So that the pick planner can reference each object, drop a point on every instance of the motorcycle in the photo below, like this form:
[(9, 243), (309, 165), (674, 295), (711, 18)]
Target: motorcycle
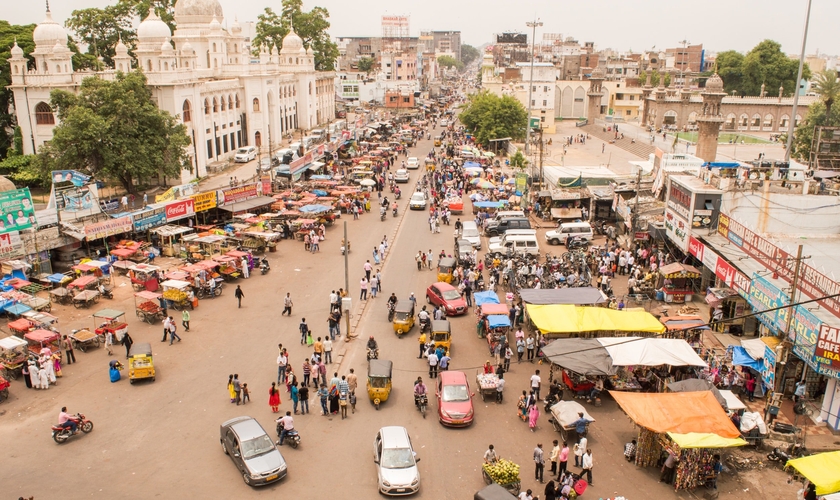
[(106, 291), (61, 434), (394, 211), (780, 455), (424, 325), (576, 243), (550, 401), (421, 402), (391, 308), (293, 437), (204, 290), (382, 213), (397, 193), (372, 353), (265, 267)]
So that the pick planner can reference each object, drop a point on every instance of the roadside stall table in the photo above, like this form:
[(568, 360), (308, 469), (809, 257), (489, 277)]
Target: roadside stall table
[(12, 356), (38, 303), (17, 310), (148, 307), (176, 275), (677, 282), (42, 320), (228, 267), (239, 255), (143, 277), (17, 283), (84, 283), (177, 294), (112, 321), (486, 383), (41, 339), (564, 415), (85, 298), (170, 238), (20, 326), (60, 295), (122, 266), (85, 339)]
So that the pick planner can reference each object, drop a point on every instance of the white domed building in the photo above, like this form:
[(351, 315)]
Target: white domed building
[(202, 73)]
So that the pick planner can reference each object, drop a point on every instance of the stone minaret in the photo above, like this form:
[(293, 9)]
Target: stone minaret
[(646, 91), (710, 119), (594, 94)]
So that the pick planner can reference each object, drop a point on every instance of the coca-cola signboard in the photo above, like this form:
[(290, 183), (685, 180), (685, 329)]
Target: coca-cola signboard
[(180, 209)]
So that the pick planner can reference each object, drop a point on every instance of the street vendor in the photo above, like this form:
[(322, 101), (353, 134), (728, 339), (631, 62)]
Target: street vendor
[(488, 368), (597, 389)]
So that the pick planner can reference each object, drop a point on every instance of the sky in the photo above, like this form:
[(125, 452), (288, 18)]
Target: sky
[(618, 24)]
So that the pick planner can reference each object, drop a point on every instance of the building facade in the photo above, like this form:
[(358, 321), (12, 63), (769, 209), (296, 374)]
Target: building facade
[(203, 74)]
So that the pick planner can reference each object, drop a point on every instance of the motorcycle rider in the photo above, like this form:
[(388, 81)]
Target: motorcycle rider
[(392, 301), (66, 420), (288, 425), (397, 192), (394, 207), (419, 390), (372, 345), (423, 317)]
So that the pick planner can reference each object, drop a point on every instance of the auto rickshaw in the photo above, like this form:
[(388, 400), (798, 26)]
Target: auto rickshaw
[(403, 317), (445, 268), (140, 363), (438, 141), (442, 334), (379, 381), (430, 165)]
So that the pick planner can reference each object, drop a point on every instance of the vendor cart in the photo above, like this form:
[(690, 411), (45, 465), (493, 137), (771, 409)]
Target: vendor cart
[(20, 326), (38, 304), (41, 339), (85, 298), (61, 295), (564, 414), (85, 339), (228, 267), (504, 473), (88, 282), (144, 277), (177, 294), (486, 383), (12, 356), (111, 320), (148, 307), (17, 310)]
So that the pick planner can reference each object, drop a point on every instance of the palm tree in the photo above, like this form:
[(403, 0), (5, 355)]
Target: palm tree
[(827, 87)]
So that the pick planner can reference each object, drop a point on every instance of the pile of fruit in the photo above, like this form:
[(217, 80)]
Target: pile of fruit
[(174, 295), (148, 306), (503, 471)]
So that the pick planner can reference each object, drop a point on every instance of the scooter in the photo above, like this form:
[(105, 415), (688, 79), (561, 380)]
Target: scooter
[(382, 213), (293, 437), (265, 267), (421, 402), (106, 291), (372, 353), (61, 434), (424, 325), (397, 193), (394, 211)]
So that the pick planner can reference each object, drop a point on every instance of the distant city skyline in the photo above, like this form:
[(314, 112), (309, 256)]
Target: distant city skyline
[(637, 25)]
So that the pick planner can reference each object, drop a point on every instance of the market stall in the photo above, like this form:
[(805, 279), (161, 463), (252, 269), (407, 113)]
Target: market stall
[(41, 339), (678, 282), (731, 306), (683, 327), (822, 469), (578, 296), (144, 277), (568, 320), (177, 294), (171, 237), (690, 425), (147, 307), (12, 356)]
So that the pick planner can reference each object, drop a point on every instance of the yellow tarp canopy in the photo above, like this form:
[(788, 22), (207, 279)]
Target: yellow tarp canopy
[(567, 318), (822, 469), (705, 440), (677, 412)]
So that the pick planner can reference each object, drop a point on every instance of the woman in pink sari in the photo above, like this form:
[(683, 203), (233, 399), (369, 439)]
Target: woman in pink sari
[(533, 415)]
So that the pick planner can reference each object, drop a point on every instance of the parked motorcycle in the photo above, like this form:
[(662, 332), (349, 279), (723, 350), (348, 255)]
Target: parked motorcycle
[(61, 434), (782, 456), (391, 308), (204, 290), (106, 291), (293, 437)]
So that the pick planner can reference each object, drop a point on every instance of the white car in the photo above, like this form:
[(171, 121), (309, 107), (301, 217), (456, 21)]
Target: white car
[(418, 201), (396, 464), (401, 175), (412, 163), (244, 155)]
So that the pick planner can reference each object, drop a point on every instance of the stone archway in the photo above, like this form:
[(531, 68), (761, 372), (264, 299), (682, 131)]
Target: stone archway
[(670, 118)]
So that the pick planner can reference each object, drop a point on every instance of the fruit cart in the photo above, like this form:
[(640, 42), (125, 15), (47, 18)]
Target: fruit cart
[(110, 320), (12, 356), (228, 267), (41, 339), (486, 383), (563, 416), (85, 339), (144, 277), (85, 298), (20, 326), (61, 295), (504, 473), (148, 307), (177, 294)]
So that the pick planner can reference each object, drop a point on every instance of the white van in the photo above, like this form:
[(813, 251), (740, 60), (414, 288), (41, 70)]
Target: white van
[(514, 232), (579, 230), (246, 154), (506, 214), (469, 232), (519, 244)]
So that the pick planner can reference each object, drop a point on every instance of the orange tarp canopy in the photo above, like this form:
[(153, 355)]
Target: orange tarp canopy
[(677, 412)]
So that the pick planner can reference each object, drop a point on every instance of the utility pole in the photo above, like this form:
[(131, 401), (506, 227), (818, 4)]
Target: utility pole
[(792, 123), (346, 282), (531, 24), (542, 181), (794, 284), (636, 207)]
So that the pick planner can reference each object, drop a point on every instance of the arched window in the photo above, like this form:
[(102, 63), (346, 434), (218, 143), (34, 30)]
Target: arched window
[(186, 112), (310, 88), (230, 102), (206, 107), (224, 105), (256, 105), (121, 68), (215, 63), (166, 66), (58, 68), (235, 48), (44, 114), (257, 139), (215, 105), (149, 64), (237, 101), (214, 46)]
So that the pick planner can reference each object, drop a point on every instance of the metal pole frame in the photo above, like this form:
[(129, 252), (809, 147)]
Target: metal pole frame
[(792, 123), (531, 24)]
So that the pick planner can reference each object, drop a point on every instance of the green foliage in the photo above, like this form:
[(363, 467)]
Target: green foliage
[(767, 64), (101, 29), (310, 26), (730, 68), (19, 169), (114, 130), (449, 62), (804, 133), (366, 64), (494, 117), (469, 53), (827, 87), (654, 78), (8, 34), (518, 160)]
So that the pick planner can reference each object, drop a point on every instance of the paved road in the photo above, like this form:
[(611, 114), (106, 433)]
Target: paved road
[(161, 438)]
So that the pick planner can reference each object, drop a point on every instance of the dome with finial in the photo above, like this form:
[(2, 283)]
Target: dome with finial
[(310, 52), (215, 24), (60, 48), (16, 50), (292, 43), (166, 47), (121, 48), (197, 11), (49, 32), (235, 28), (153, 28), (187, 48), (714, 83)]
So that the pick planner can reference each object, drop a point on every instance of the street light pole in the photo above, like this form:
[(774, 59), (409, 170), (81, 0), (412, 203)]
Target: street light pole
[(792, 122), (531, 24)]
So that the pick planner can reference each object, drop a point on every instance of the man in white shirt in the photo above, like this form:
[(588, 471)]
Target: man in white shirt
[(587, 466), (526, 495), (282, 360), (536, 381), (327, 344), (288, 426), (433, 364)]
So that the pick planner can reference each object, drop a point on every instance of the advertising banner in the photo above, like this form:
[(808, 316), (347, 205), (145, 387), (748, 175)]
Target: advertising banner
[(204, 201), (149, 219), (768, 369), (266, 184), (78, 200), (108, 228), (828, 346), (180, 209), (237, 194), (77, 178), (677, 229), (521, 183), (16, 210), (11, 246)]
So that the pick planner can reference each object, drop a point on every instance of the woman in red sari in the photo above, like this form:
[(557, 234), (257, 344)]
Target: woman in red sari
[(274, 398)]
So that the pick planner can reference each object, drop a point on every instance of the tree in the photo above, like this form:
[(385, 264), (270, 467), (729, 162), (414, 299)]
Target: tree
[(9, 33), (19, 169), (730, 69), (101, 30), (804, 133), (366, 64), (113, 129), (450, 62), (310, 26), (827, 87), (767, 64), (165, 9), (492, 117), (518, 160), (469, 54)]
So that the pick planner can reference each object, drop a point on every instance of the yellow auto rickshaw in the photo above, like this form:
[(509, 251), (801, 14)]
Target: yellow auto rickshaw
[(442, 334), (379, 381), (438, 141), (403, 317), (430, 165), (140, 363), (445, 268)]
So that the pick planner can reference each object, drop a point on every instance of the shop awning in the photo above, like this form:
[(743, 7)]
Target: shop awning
[(574, 296), (733, 403), (566, 318), (697, 385), (740, 357), (679, 270), (242, 206), (684, 323), (482, 298), (603, 356), (565, 213), (677, 412), (705, 440), (822, 469), (498, 321)]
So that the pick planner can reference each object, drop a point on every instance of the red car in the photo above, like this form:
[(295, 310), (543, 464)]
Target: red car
[(455, 408), (447, 296)]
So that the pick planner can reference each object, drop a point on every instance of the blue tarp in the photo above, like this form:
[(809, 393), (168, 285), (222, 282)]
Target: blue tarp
[(321, 178), (56, 278), (314, 209), (490, 204), (17, 309), (498, 320), (482, 298), (741, 358), (472, 164), (721, 164)]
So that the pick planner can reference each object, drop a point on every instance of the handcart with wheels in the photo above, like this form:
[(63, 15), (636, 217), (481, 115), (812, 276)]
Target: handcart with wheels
[(504, 473), (85, 298), (147, 307), (85, 339), (486, 383)]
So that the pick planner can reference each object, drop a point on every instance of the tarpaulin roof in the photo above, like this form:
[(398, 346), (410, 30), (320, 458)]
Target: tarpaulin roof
[(740, 357), (733, 403), (677, 412), (488, 309), (756, 347), (822, 469), (698, 385), (575, 296), (684, 323), (564, 318), (705, 440), (603, 356), (498, 320), (482, 298)]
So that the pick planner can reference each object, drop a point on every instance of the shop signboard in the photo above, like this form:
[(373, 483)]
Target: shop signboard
[(204, 201), (768, 369), (641, 236), (676, 228), (266, 184), (11, 246), (521, 183), (180, 209), (301, 163), (108, 228), (237, 194), (828, 346), (16, 210), (148, 219), (733, 278), (176, 192)]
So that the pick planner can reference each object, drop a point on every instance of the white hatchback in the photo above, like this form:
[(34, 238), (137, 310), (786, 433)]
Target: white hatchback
[(395, 462), (412, 163), (401, 175), (418, 201)]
